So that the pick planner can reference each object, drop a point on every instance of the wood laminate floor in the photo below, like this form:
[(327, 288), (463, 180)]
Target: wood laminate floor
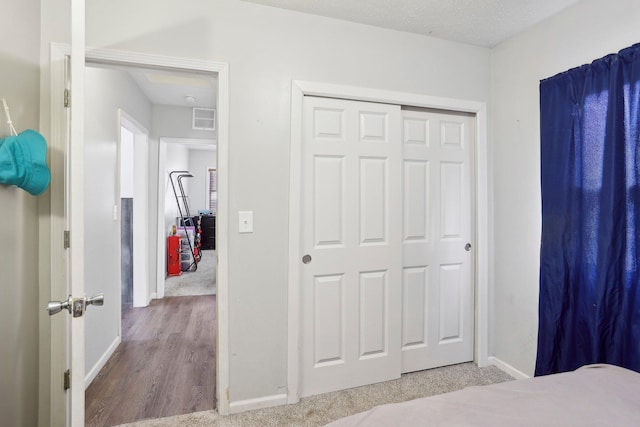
[(164, 366)]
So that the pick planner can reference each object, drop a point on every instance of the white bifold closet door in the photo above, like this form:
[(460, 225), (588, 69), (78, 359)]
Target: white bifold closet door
[(386, 214), (437, 284), (352, 228)]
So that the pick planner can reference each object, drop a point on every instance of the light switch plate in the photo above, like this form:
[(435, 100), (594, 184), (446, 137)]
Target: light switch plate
[(245, 219)]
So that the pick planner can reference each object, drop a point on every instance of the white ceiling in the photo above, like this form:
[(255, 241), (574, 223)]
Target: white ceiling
[(164, 87), (478, 22)]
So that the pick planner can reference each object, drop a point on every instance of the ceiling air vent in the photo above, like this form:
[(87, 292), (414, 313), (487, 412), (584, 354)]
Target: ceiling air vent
[(204, 119)]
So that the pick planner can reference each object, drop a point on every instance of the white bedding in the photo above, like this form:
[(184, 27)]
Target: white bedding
[(594, 395)]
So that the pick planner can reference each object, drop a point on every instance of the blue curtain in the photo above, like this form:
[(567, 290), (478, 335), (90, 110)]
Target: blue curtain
[(589, 308)]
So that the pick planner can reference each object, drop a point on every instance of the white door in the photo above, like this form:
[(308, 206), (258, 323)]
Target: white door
[(351, 238), (437, 280), (67, 343)]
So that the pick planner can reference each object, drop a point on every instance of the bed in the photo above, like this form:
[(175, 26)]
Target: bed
[(594, 395)]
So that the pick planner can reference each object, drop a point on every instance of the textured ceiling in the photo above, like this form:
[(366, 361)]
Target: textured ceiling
[(478, 22)]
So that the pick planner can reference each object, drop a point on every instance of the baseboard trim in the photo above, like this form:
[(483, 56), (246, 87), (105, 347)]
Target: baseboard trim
[(505, 367), (259, 403), (93, 373)]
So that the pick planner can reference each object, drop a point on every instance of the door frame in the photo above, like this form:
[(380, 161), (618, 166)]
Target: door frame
[(53, 349), (480, 206)]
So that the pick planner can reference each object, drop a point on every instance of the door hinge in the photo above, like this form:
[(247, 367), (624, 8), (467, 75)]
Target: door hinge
[(67, 380), (67, 239), (66, 98)]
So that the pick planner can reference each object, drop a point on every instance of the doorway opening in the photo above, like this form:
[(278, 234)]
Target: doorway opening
[(191, 155), (66, 355), (141, 353)]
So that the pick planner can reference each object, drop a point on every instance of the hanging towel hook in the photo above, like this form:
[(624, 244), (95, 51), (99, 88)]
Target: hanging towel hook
[(9, 122)]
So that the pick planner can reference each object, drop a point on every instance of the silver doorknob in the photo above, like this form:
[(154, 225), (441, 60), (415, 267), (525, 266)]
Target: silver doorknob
[(467, 247), (306, 259), (55, 307), (75, 306), (95, 300)]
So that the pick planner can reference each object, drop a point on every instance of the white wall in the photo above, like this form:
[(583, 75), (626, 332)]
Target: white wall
[(177, 160), (126, 163), (20, 85), (266, 49), (106, 91), (580, 34), (199, 162)]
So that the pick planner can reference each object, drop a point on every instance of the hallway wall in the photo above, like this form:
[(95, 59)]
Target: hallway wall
[(107, 90)]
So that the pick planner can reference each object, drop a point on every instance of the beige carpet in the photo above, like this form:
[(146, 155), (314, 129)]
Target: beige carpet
[(199, 282), (322, 409)]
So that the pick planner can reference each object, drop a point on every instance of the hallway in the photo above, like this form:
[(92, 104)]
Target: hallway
[(164, 366)]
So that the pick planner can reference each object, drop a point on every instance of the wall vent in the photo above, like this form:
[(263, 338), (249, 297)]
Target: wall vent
[(204, 119)]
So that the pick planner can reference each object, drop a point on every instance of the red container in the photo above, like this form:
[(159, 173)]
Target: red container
[(173, 256)]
